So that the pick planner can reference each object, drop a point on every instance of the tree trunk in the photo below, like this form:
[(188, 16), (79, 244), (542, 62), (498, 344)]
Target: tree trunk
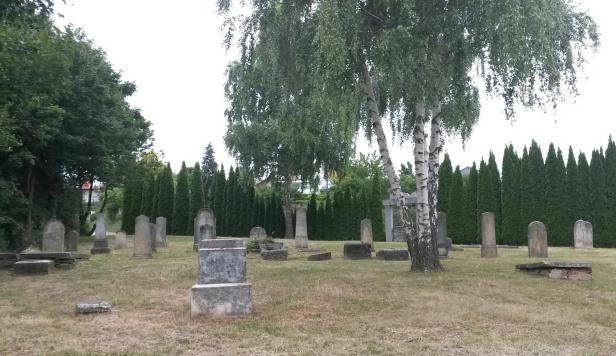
[(436, 146), (287, 210), (30, 186), (423, 258), (395, 189)]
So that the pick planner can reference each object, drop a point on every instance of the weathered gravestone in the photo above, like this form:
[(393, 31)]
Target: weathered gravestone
[(320, 256), (441, 235), (120, 240), (161, 231), (153, 236), (582, 234), (301, 228), (537, 240), (93, 307), (71, 240), (205, 227), (221, 287), (393, 254), (142, 246), (575, 271), (488, 235), (275, 255), (32, 267), (356, 251), (398, 234), (366, 232), (258, 233), (101, 244), (53, 236)]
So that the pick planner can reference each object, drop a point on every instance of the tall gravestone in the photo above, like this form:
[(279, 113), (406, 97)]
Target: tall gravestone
[(101, 244), (582, 234), (537, 240), (301, 228), (53, 236), (221, 287), (71, 239), (142, 246), (441, 235), (488, 235), (153, 236), (205, 227), (366, 233), (161, 231), (120, 240)]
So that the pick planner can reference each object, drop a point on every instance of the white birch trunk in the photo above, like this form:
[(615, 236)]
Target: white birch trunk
[(422, 252), (395, 189), (436, 146)]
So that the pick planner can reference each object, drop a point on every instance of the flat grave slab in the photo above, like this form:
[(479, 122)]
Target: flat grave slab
[(33, 267), (575, 271), (275, 255), (93, 307), (357, 251), (8, 259), (320, 256), (393, 254)]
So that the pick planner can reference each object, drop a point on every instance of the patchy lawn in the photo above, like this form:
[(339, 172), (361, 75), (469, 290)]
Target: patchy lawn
[(476, 306)]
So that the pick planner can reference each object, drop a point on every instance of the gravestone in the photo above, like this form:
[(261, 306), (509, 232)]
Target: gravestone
[(101, 245), (221, 287), (33, 267), (320, 256), (93, 307), (161, 231), (356, 251), (275, 255), (366, 232), (537, 240), (258, 233), (441, 235), (488, 235), (142, 246), (153, 236), (71, 240), (53, 236), (393, 254), (205, 217), (575, 271), (398, 234), (582, 234), (120, 240), (301, 228)]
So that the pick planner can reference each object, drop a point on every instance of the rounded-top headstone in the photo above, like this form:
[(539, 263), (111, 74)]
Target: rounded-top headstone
[(142, 246), (161, 231), (537, 240), (488, 235), (53, 236), (582, 234), (258, 233)]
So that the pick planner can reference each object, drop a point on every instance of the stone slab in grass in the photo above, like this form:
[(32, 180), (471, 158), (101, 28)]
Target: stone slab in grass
[(263, 246), (33, 267), (393, 254), (320, 256), (575, 271), (93, 307), (220, 299), (357, 251), (275, 255)]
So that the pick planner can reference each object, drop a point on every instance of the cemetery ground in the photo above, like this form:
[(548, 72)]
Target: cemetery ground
[(477, 306)]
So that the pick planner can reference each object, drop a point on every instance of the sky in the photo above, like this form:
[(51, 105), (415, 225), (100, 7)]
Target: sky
[(175, 55)]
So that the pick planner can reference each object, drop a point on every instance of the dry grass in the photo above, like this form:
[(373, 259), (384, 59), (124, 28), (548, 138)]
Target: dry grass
[(477, 306)]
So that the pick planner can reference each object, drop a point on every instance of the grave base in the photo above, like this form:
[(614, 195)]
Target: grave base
[(33, 267), (98, 250), (220, 299)]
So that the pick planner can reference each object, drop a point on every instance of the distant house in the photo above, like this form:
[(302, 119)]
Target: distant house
[(85, 191)]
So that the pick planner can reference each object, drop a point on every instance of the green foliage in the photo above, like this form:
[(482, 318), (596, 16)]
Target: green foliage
[(511, 233), (471, 226), (533, 185), (582, 192), (445, 173), (556, 199), (610, 190), (571, 186), (181, 204), (598, 198), (197, 198), (455, 214), (166, 196)]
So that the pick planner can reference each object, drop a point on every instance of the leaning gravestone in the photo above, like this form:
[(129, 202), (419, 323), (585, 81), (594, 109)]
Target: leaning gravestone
[(441, 235), (161, 231), (258, 233), (205, 227), (366, 233), (101, 245), (153, 236), (537, 240), (142, 246), (120, 240), (221, 287), (71, 239), (53, 236), (488, 236), (301, 228), (582, 234)]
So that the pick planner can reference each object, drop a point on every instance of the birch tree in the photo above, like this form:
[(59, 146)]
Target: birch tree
[(411, 62)]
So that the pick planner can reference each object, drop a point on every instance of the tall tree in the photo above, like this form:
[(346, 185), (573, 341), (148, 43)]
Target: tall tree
[(555, 199), (571, 189), (598, 198), (471, 226), (583, 191), (533, 185), (166, 196), (197, 197), (210, 167), (610, 190), (510, 220), (445, 174), (495, 188), (181, 204), (455, 214)]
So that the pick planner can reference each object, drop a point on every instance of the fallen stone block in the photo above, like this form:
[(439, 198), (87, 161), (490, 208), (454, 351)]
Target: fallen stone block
[(321, 256), (575, 271), (357, 251), (33, 267), (393, 254), (275, 255), (93, 307)]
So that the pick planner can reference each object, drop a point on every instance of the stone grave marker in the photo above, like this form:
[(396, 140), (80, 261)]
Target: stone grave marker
[(441, 235), (488, 235), (575, 271), (161, 231), (221, 287), (301, 228), (153, 236), (537, 240), (142, 246), (393, 254), (101, 244), (71, 240), (258, 233), (356, 251), (53, 236), (366, 233), (582, 234), (205, 227), (120, 240)]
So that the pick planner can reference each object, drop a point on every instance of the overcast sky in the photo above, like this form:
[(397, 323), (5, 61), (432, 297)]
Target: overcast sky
[(173, 51)]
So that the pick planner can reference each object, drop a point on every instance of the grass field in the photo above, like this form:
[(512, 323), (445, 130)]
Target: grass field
[(476, 306)]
